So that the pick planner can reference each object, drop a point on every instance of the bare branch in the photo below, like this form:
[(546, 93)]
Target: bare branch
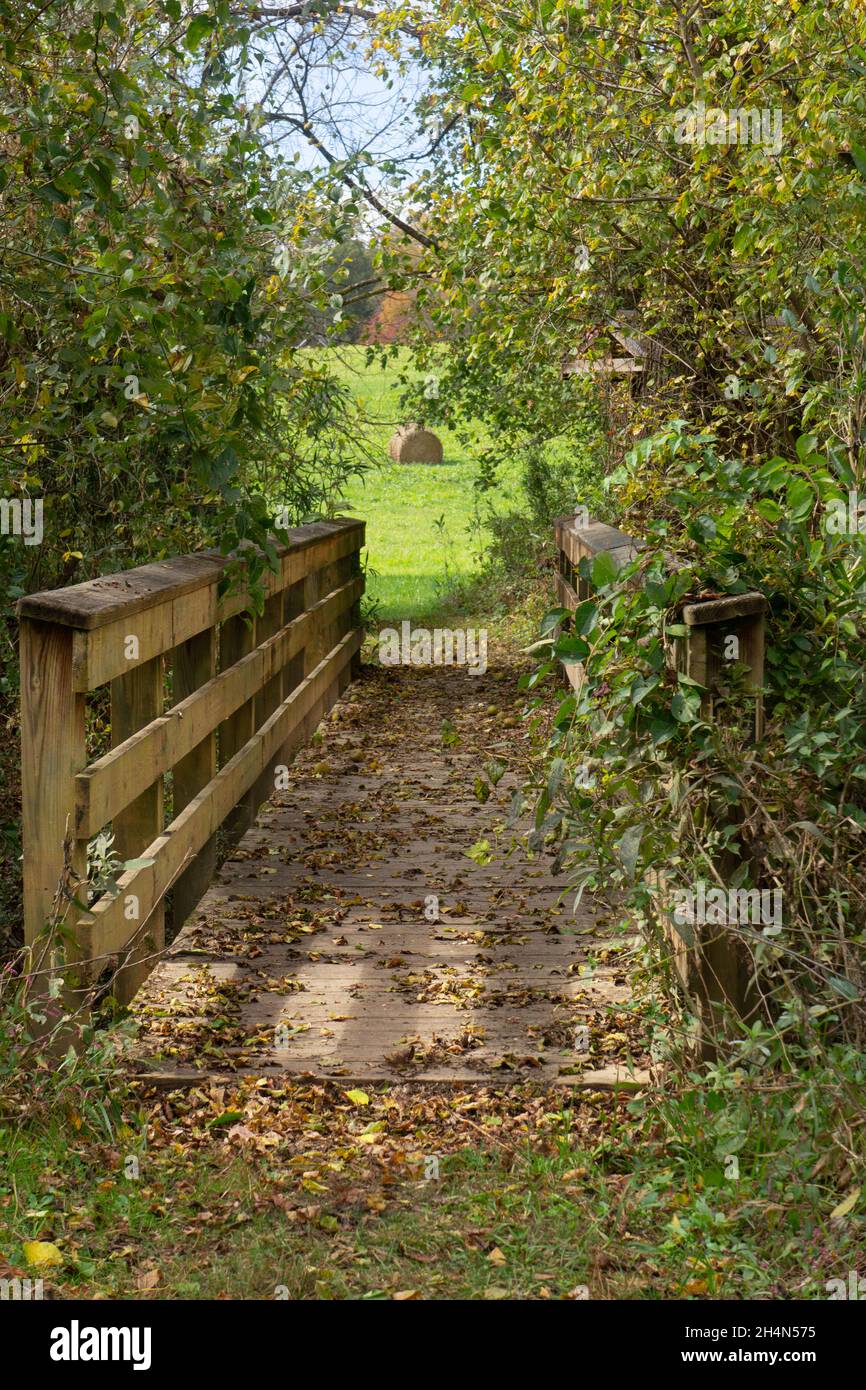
[(357, 186)]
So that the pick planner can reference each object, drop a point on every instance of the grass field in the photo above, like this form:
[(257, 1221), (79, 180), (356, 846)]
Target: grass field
[(421, 537)]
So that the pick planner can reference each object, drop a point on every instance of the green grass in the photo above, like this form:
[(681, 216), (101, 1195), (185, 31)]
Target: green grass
[(315, 1198), (423, 536), (223, 1224)]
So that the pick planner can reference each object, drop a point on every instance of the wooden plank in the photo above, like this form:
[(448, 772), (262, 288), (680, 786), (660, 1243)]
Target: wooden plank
[(565, 594), (99, 602), (194, 666), (355, 615), (722, 610), (136, 699), (105, 931), (622, 1080), (303, 925), (103, 788), (103, 653)]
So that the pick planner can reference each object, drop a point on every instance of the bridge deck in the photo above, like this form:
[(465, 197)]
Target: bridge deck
[(311, 952)]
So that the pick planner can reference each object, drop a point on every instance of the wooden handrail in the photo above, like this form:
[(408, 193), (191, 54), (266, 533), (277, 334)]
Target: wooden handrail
[(710, 621), (245, 694)]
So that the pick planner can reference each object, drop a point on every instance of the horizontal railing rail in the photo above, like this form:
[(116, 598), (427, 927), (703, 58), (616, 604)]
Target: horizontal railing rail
[(245, 693)]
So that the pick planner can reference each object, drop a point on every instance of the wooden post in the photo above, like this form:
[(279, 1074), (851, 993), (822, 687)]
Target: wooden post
[(270, 695), (354, 618), (723, 633), (314, 589), (237, 637), (52, 752), (293, 672), (194, 664), (136, 699)]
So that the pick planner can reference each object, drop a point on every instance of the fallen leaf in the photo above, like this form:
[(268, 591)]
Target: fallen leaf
[(845, 1207), (42, 1253), (228, 1117)]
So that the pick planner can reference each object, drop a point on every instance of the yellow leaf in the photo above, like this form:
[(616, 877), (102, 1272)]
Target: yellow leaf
[(843, 1208), (695, 1286), (406, 1294), (42, 1252), (358, 1097), (496, 1256)]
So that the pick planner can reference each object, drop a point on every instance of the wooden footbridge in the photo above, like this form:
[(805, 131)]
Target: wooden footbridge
[(376, 914)]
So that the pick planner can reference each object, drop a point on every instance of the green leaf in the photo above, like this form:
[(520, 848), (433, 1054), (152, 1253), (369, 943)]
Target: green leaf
[(843, 987), (480, 852), (628, 848), (858, 154), (228, 1117), (570, 649), (806, 444), (198, 30), (768, 509), (603, 569), (800, 498), (552, 620), (642, 687)]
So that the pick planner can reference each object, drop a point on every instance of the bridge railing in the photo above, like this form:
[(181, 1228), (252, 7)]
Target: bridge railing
[(189, 755), (714, 971)]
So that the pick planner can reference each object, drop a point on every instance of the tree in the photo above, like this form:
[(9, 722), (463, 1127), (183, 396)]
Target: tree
[(158, 269)]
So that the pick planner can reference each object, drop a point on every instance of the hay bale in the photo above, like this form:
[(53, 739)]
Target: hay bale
[(412, 444)]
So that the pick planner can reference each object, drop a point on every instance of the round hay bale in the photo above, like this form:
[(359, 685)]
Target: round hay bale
[(412, 444)]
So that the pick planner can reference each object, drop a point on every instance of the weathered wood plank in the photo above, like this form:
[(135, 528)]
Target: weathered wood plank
[(194, 665), (99, 602), (136, 699), (236, 642)]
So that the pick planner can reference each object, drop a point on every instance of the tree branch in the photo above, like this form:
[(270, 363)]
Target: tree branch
[(356, 186)]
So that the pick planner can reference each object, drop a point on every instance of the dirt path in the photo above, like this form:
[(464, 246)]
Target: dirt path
[(352, 935)]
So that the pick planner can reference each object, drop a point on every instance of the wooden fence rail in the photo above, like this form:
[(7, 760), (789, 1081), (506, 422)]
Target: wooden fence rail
[(245, 694), (715, 971)]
